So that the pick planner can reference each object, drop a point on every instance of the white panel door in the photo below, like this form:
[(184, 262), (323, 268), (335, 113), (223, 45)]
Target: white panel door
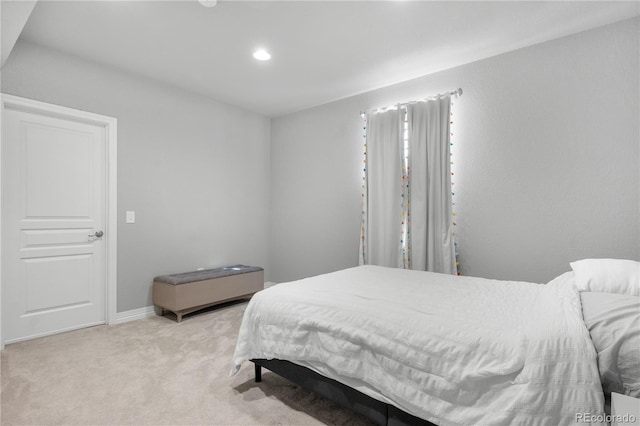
[(53, 224)]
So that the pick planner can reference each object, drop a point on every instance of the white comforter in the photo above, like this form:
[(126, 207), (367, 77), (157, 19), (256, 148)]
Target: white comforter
[(451, 350)]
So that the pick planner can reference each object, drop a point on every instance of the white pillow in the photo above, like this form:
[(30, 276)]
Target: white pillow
[(608, 276), (613, 321)]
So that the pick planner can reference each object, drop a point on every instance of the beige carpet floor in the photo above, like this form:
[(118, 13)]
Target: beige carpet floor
[(152, 371)]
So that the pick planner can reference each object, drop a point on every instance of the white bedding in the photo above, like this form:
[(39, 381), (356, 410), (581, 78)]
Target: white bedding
[(451, 350)]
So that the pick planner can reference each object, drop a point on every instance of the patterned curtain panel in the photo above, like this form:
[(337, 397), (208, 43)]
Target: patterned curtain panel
[(431, 227), (382, 195)]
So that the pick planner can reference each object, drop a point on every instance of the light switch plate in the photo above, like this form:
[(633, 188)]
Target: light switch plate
[(131, 217)]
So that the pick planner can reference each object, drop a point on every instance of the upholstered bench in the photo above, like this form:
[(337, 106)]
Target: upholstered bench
[(191, 291)]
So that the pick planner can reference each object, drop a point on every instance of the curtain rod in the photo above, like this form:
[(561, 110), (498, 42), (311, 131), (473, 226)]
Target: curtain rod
[(456, 93)]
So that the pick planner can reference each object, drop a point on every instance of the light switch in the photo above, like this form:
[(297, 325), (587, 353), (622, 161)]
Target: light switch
[(131, 217)]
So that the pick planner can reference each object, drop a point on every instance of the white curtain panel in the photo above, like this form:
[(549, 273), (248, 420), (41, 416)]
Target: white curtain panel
[(431, 240), (382, 215)]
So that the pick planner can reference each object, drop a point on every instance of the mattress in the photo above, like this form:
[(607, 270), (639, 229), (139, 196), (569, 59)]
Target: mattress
[(451, 350)]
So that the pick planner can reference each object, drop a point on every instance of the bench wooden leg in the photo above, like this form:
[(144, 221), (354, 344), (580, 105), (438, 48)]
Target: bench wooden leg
[(258, 373)]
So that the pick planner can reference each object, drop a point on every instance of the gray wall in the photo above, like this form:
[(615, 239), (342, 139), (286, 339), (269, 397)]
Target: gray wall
[(195, 171), (546, 151)]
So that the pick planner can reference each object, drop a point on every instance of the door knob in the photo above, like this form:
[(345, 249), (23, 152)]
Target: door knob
[(98, 234)]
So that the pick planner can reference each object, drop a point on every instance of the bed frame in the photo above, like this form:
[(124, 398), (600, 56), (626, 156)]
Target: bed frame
[(379, 412)]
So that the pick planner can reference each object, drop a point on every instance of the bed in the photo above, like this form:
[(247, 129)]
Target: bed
[(413, 347)]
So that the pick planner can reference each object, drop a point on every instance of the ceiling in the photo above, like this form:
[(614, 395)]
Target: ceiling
[(321, 50)]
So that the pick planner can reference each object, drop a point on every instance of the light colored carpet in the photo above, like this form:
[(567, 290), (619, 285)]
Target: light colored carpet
[(152, 372)]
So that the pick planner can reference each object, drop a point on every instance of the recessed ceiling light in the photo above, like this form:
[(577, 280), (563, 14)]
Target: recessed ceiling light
[(208, 3), (262, 55)]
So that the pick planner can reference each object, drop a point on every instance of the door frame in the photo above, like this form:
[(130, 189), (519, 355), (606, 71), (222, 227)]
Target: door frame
[(110, 125)]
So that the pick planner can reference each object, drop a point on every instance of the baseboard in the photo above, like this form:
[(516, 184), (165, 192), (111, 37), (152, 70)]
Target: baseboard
[(134, 314)]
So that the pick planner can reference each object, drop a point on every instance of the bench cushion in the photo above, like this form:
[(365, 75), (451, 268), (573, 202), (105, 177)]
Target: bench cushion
[(206, 274)]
